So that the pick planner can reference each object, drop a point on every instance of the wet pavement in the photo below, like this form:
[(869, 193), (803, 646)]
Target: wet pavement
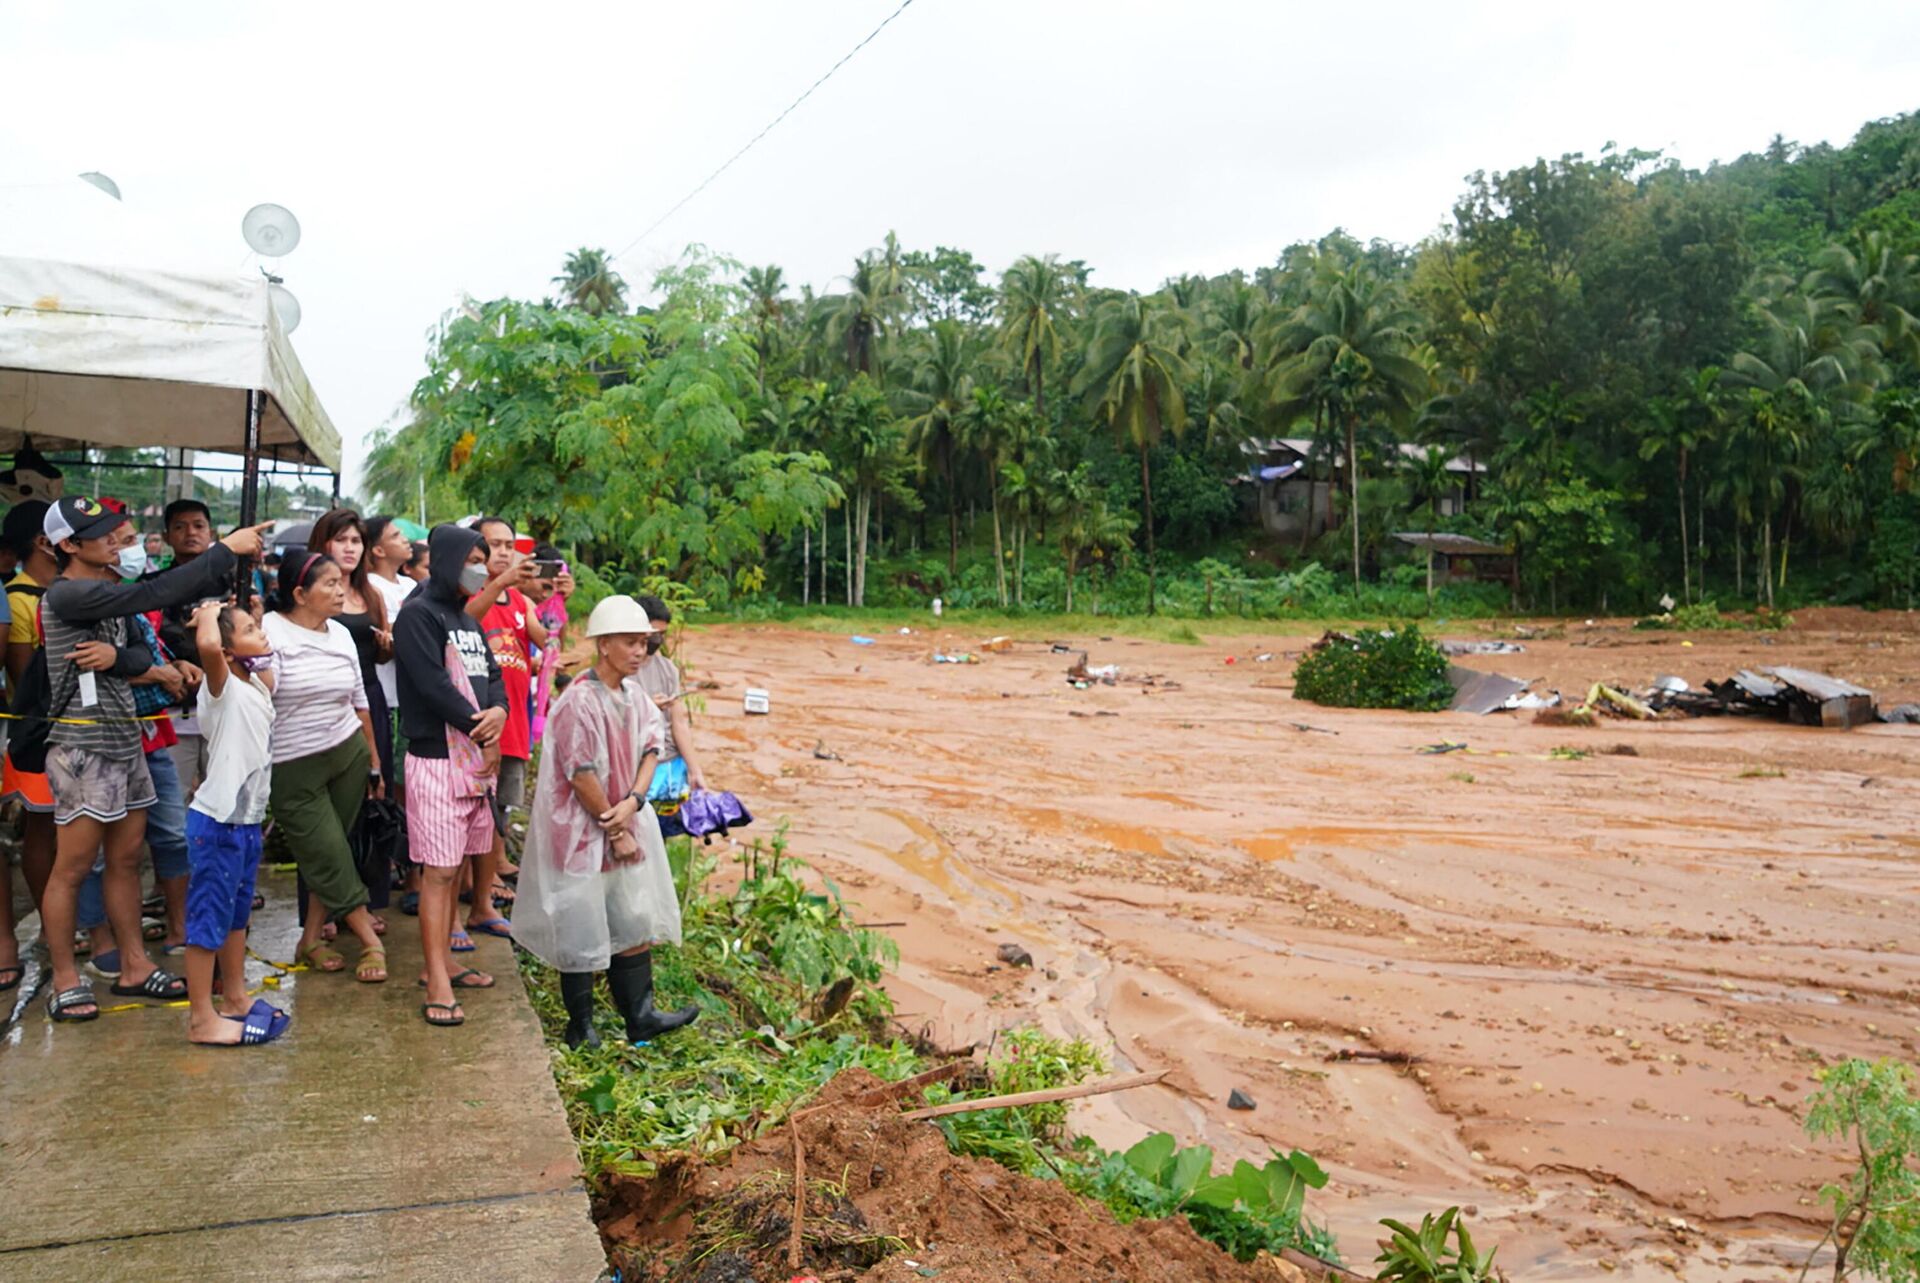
[(362, 1145)]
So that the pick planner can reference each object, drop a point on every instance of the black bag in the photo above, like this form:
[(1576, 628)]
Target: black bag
[(379, 843), (32, 700)]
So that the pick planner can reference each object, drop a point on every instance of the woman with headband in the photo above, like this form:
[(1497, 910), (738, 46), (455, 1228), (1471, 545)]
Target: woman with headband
[(323, 763)]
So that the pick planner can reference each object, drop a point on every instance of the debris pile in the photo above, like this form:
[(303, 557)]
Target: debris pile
[(1796, 695), (880, 1197)]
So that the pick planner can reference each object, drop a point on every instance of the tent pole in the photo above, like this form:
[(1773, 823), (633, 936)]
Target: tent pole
[(336, 490), (250, 489)]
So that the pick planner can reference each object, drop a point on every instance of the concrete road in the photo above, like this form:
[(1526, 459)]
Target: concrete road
[(362, 1145)]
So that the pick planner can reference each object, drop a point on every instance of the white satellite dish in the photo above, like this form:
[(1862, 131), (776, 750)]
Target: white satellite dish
[(285, 306), (271, 230), (100, 180)]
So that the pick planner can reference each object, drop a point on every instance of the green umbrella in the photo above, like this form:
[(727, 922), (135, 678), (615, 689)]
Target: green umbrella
[(411, 529)]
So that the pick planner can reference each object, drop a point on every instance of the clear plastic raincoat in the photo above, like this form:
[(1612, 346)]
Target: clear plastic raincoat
[(576, 906)]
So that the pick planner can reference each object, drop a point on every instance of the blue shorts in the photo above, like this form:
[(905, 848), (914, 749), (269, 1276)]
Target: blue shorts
[(225, 859)]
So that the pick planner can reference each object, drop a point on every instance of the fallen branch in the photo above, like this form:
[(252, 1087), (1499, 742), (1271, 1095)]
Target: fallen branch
[(894, 1090), (1037, 1097), (1378, 1057), (799, 1197)]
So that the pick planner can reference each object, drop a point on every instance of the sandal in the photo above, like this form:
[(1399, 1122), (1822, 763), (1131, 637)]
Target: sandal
[(499, 927), (465, 978), (372, 967), (454, 1015), (60, 1005), (10, 977), (379, 924), (320, 956), (153, 929), (161, 986), (262, 1024), (460, 942), (410, 904)]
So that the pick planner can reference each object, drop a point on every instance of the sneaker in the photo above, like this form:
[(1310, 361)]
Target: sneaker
[(106, 965)]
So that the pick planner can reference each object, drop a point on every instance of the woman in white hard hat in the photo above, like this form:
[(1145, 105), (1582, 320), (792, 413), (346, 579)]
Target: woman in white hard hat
[(596, 893)]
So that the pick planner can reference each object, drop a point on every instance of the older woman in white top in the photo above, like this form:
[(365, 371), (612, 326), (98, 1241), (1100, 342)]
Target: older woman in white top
[(322, 757)]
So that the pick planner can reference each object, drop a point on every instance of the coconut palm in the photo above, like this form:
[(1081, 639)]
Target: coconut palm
[(1427, 468), (1035, 296), (1132, 376), (1084, 525), (940, 390), (767, 303), (1680, 426), (863, 316), (588, 282), (1346, 356)]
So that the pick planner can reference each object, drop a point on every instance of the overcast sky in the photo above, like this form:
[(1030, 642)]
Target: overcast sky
[(431, 149)]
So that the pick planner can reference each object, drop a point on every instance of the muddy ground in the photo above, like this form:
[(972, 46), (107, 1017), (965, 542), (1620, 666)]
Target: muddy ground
[(1616, 974)]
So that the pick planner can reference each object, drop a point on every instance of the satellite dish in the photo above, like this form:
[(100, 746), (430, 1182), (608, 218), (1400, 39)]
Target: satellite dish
[(101, 181), (285, 306), (271, 230)]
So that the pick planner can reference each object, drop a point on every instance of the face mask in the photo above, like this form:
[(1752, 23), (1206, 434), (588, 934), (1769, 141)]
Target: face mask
[(473, 579), (256, 663), (133, 561)]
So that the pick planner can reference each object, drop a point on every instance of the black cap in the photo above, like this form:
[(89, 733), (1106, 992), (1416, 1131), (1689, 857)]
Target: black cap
[(80, 519)]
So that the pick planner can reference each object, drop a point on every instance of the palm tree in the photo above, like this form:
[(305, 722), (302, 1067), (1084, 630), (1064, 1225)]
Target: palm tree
[(941, 388), (1132, 375), (1084, 524), (1344, 355), (1034, 296), (766, 292), (1432, 480), (997, 430), (866, 441), (588, 282), (1681, 426), (1232, 320)]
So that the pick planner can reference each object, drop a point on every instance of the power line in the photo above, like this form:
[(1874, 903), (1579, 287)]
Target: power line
[(679, 204)]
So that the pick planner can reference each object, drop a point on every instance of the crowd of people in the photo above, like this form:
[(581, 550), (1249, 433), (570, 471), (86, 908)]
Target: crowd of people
[(173, 694)]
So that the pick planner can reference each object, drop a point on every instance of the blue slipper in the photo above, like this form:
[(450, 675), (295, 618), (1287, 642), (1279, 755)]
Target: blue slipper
[(410, 904), (105, 965), (499, 927), (461, 942), (263, 1023)]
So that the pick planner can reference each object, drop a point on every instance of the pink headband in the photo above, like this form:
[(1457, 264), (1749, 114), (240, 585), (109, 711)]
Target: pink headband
[(305, 566)]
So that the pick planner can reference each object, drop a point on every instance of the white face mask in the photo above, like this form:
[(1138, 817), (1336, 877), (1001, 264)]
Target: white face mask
[(473, 579), (133, 561)]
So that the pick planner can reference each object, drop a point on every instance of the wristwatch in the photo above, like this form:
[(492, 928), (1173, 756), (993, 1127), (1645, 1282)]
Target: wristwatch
[(639, 799)]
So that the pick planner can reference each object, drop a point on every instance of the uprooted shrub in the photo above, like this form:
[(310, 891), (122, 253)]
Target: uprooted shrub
[(1375, 668)]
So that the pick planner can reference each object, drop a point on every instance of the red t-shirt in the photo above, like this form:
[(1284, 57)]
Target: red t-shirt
[(506, 628)]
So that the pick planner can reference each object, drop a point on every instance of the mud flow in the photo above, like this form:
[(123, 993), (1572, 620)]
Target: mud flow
[(1583, 994)]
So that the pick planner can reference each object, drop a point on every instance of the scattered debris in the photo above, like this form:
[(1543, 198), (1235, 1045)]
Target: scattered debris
[(962, 657), (1265, 657), (996, 645), (1797, 695), (757, 701), (1436, 750), (1481, 693), (1902, 714), (1305, 729), (858, 640), (1620, 750), (1014, 955), (1371, 1056), (1481, 648), (1237, 1099), (825, 754)]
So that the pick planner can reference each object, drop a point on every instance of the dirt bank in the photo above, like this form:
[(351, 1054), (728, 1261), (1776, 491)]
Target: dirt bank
[(1615, 974)]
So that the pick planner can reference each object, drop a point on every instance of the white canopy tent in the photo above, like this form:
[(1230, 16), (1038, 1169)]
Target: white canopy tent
[(117, 356)]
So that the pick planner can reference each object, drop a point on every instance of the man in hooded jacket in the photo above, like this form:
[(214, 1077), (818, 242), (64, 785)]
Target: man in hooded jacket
[(453, 706)]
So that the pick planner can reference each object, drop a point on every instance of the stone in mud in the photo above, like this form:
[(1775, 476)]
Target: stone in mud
[(1237, 1099), (1014, 955)]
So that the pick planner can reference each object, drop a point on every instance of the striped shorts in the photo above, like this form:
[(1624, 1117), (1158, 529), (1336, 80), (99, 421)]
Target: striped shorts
[(443, 828)]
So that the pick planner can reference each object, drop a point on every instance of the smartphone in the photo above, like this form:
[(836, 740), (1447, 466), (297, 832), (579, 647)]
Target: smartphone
[(548, 567)]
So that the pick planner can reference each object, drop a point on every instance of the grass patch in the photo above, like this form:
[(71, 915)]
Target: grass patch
[(1706, 616)]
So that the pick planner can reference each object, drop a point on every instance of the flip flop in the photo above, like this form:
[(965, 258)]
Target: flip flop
[(455, 1015), (161, 986), (59, 1005), (410, 904), (263, 1023), (460, 942), (152, 929), (499, 927), (10, 977), (460, 980), (379, 925)]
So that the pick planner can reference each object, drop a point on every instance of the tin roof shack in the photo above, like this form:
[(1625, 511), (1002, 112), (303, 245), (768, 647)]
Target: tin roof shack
[(1295, 483), (1462, 559)]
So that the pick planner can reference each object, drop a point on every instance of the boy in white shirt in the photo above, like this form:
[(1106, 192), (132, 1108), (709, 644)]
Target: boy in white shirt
[(223, 827)]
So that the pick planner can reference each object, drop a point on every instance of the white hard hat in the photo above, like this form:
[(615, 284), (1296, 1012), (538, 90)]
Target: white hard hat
[(618, 614)]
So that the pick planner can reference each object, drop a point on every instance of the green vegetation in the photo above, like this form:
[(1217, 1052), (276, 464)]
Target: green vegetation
[(1704, 616), (1375, 669), (1425, 1256), (787, 987), (1644, 379), (1870, 1108)]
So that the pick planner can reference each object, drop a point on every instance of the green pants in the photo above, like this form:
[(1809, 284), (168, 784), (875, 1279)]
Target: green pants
[(315, 802)]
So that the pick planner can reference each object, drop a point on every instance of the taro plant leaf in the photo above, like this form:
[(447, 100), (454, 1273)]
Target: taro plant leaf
[(1250, 1184), (1308, 1170), (1288, 1178), (597, 1095), (1151, 1156), (1217, 1191), (1190, 1167)]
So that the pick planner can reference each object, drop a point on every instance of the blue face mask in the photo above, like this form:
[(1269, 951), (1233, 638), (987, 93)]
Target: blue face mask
[(133, 561)]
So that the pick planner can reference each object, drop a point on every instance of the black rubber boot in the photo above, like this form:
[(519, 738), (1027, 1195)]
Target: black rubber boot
[(631, 980), (576, 990)]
